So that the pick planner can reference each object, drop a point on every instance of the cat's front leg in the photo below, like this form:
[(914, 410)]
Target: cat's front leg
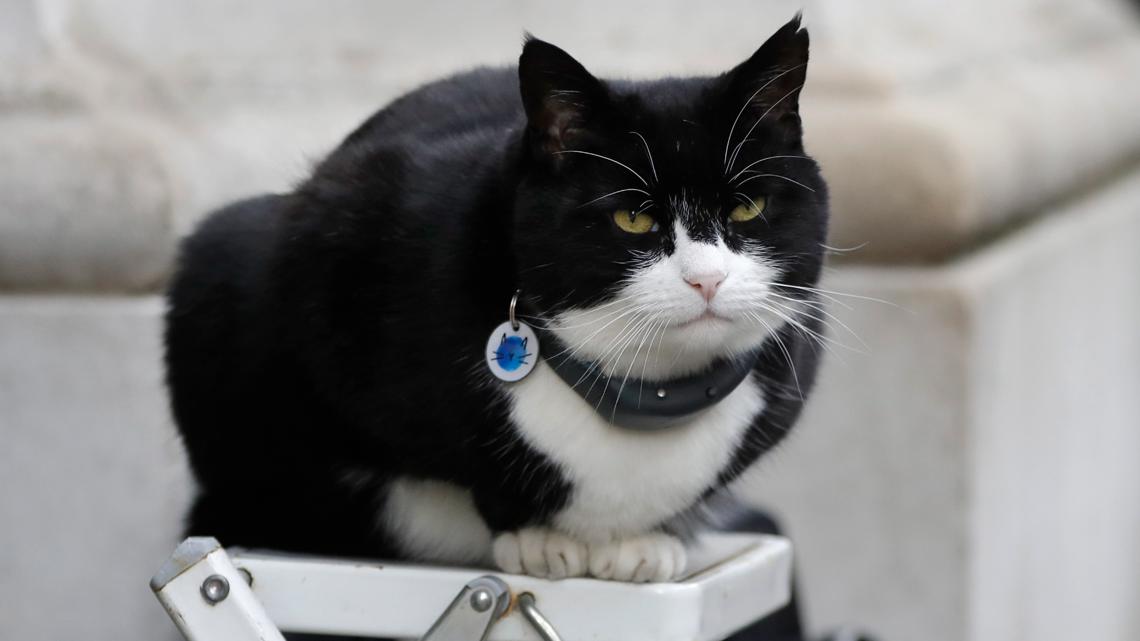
[(653, 557), (541, 552)]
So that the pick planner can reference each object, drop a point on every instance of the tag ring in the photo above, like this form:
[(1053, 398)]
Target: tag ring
[(514, 303)]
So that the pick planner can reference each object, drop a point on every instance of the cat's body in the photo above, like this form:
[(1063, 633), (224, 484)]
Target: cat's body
[(325, 347)]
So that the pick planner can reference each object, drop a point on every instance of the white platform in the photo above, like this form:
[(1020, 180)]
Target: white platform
[(735, 579)]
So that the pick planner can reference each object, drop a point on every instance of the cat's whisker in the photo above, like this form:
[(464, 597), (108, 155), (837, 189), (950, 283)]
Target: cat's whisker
[(575, 349), (809, 302), (822, 340), (613, 359), (811, 336), (819, 307), (612, 193), (636, 313), (775, 335), (826, 297), (782, 311), (660, 345), (644, 209), (556, 324), (553, 323), (609, 318), (616, 162), (648, 154), (608, 303), (780, 176), (744, 107), (627, 335), (747, 202), (537, 267), (828, 293), (757, 162), (632, 362), (633, 334), (845, 250), (623, 302), (659, 333), (740, 145)]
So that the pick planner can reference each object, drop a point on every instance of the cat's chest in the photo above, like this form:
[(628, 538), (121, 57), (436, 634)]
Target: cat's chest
[(627, 481)]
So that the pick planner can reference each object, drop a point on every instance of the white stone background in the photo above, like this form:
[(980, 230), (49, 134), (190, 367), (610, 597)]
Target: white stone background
[(972, 477)]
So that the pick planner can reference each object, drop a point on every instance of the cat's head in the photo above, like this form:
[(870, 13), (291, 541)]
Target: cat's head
[(660, 225)]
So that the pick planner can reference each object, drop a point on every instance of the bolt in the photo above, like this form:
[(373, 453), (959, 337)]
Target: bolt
[(481, 600), (661, 393), (215, 589)]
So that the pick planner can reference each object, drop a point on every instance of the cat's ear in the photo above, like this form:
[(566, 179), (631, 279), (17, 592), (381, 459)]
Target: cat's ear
[(768, 84), (560, 97)]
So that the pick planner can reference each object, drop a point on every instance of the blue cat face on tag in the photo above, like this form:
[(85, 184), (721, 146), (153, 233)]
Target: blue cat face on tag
[(512, 353)]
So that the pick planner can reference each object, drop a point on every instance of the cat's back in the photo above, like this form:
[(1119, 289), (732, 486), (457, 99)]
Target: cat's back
[(483, 98), (377, 195), (217, 284)]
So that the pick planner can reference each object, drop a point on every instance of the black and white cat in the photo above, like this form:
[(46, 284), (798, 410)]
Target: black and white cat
[(325, 348)]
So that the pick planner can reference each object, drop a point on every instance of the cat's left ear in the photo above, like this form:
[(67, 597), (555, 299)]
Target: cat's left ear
[(561, 98), (768, 84)]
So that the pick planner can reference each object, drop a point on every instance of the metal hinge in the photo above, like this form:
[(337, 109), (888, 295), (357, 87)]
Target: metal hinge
[(476, 608)]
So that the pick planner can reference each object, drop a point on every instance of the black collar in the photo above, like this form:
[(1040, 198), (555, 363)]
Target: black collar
[(644, 405)]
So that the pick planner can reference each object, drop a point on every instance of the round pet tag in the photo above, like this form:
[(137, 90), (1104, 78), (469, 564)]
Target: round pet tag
[(512, 352)]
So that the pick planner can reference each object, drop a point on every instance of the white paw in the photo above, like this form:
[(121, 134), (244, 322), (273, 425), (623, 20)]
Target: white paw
[(646, 558), (540, 552)]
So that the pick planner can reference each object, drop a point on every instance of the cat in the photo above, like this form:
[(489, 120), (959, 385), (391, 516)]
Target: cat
[(325, 347)]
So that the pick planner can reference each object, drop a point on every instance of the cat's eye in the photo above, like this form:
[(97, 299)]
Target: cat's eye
[(743, 213), (634, 222)]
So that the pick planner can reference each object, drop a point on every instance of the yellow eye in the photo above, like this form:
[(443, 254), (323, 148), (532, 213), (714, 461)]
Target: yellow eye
[(744, 213), (639, 223)]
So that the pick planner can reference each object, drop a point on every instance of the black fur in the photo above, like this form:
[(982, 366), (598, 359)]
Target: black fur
[(322, 342)]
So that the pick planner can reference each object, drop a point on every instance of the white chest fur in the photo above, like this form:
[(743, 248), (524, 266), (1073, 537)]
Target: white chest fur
[(626, 482)]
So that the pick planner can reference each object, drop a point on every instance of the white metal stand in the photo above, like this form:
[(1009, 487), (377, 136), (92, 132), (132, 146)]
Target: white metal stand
[(212, 595)]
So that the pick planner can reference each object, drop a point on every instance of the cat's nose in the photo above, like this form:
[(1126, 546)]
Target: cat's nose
[(706, 284)]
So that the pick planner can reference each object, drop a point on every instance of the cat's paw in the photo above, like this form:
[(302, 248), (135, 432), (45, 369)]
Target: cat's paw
[(645, 558), (540, 552)]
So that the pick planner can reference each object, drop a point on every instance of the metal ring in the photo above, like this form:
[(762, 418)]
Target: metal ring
[(541, 625), (514, 303)]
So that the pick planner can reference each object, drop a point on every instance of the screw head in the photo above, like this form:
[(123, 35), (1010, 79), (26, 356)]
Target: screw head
[(661, 393), (481, 600), (215, 589)]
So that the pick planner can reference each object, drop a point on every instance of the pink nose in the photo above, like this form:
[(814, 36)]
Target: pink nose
[(706, 284)]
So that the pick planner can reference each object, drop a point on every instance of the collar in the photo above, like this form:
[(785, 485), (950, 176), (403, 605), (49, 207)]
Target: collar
[(644, 405)]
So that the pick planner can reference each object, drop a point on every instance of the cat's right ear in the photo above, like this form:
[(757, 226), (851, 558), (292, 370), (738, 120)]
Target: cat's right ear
[(560, 97)]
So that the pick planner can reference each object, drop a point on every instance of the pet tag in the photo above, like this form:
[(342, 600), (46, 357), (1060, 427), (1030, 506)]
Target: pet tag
[(512, 349)]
